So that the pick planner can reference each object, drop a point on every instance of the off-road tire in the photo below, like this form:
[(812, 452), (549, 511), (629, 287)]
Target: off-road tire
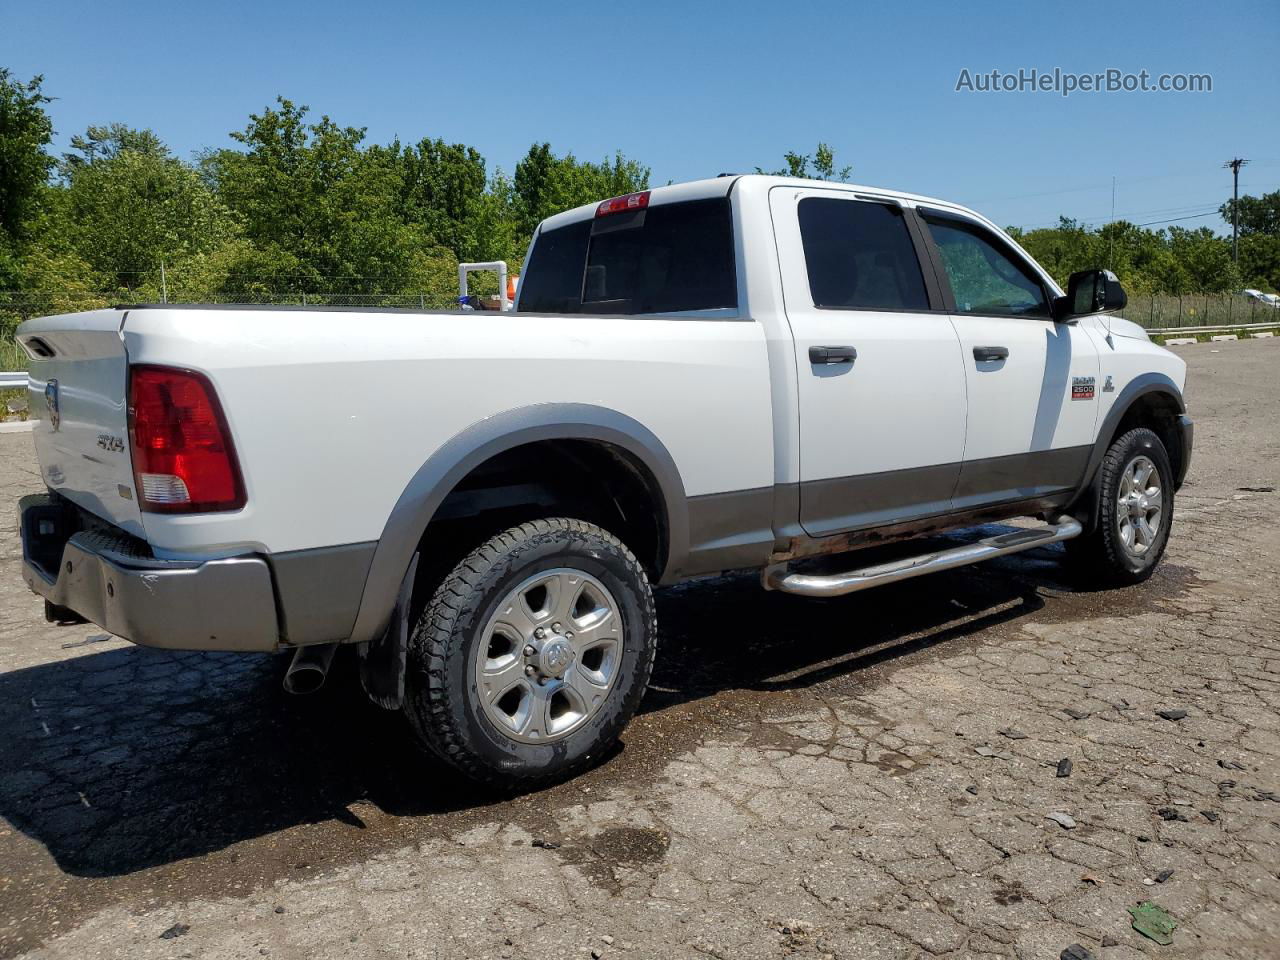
[(1101, 557), (441, 696)]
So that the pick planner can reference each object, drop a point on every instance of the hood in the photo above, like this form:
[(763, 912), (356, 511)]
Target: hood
[(1120, 327)]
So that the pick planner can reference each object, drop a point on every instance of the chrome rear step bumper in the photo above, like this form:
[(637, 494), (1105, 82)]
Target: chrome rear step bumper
[(777, 577)]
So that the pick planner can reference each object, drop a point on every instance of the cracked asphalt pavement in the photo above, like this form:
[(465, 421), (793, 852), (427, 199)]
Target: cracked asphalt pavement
[(866, 777)]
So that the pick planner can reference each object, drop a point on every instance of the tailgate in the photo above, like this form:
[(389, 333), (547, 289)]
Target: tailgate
[(77, 398)]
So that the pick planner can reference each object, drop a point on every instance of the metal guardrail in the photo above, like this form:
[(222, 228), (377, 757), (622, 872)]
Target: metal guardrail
[(12, 380), (1214, 329)]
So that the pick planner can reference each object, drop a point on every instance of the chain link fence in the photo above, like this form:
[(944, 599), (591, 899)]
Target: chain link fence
[(1162, 310)]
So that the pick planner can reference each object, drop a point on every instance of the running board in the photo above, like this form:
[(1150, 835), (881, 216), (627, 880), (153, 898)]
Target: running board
[(777, 577)]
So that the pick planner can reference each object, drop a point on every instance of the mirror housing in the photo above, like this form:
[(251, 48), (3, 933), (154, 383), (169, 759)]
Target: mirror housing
[(1088, 292)]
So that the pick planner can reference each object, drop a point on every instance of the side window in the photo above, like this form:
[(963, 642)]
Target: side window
[(859, 256), (553, 280), (984, 277)]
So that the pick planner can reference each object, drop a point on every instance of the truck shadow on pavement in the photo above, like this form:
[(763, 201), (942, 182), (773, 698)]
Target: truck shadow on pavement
[(133, 758)]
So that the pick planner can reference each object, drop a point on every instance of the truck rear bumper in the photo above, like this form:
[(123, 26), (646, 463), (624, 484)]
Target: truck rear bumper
[(223, 604)]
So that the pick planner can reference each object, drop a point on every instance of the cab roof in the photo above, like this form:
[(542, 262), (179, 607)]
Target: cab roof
[(724, 185)]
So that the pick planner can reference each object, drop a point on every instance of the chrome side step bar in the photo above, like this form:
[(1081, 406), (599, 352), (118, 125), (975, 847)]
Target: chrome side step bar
[(777, 576)]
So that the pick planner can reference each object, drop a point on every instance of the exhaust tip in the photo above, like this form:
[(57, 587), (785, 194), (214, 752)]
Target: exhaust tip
[(309, 668), (303, 680)]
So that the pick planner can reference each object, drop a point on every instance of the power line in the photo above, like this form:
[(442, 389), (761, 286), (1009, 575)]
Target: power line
[(1194, 216), (1204, 208), (1104, 184)]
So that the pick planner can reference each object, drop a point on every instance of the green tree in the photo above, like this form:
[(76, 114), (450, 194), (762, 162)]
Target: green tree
[(25, 132), (1203, 261), (1260, 261), (321, 213), (125, 210), (1257, 214), (821, 165), (442, 189), (545, 184), (1061, 250), (101, 144)]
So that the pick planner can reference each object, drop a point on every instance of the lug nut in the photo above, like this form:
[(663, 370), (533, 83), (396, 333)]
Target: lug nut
[(540, 632), (556, 627), (568, 634), (530, 650), (529, 671)]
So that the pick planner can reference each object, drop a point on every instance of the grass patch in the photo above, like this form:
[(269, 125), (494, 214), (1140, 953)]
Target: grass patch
[(12, 356), (13, 404)]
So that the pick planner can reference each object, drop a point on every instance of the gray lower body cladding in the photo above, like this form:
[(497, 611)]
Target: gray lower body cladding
[(742, 529), (257, 602), (319, 591)]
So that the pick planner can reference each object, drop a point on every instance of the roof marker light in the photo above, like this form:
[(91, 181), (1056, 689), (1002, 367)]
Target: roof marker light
[(631, 201)]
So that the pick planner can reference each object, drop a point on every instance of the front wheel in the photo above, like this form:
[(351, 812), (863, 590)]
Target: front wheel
[(533, 654), (1135, 512)]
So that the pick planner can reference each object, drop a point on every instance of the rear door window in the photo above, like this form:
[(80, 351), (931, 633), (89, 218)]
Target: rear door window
[(859, 256), (670, 258)]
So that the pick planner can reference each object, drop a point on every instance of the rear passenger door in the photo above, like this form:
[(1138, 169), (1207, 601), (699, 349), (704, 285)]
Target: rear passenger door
[(1032, 383), (880, 378)]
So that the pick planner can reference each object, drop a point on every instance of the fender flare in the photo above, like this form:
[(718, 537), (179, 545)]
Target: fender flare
[(465, 451), (1137, 388)]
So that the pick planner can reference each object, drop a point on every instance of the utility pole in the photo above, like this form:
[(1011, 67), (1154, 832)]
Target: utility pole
[(1235, 163), (164, 285)]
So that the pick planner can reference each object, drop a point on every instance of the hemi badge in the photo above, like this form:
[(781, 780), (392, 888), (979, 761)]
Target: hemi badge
[(1082, 388)]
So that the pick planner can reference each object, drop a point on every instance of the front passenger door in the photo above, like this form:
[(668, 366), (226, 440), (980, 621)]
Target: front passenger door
[(1031, 382)]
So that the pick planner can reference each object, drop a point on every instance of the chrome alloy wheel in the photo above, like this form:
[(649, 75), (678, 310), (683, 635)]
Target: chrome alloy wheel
[(1139, 505), (549, 655)]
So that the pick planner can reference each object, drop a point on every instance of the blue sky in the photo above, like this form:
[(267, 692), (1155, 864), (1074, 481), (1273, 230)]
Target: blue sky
[(695, 89)]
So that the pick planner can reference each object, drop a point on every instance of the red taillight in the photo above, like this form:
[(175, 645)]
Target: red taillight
[(183, 460), (632, 201)]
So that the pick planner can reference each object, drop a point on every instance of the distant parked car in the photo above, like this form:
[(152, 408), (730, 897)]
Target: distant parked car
[(1270, 299)]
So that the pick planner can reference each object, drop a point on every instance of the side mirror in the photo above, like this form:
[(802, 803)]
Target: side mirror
[(1090, 291)]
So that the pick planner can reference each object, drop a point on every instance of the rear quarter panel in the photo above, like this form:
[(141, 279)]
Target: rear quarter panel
[(332, 413)]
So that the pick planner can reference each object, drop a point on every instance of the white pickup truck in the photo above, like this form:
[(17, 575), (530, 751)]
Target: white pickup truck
[(739, 373)]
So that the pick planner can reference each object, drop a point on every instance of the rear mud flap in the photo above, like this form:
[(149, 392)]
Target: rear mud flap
[(383, 659)]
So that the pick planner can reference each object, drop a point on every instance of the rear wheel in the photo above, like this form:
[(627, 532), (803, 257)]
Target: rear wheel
[(533, 653), (1135, 512)]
